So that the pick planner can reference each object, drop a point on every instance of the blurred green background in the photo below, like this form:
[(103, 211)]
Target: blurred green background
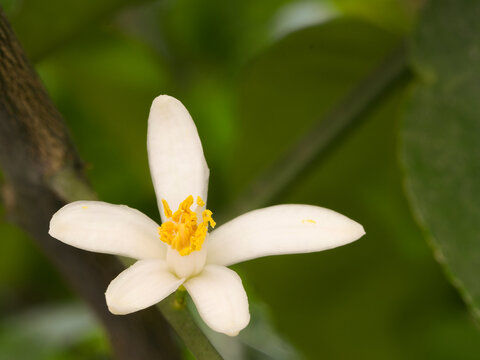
[(255, 76)]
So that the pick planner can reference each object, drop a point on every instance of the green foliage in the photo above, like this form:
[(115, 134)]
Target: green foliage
[(440, 140), (255, 84), (283, 92), (395, 15), (30, 335), (296, 82), (57, 22)]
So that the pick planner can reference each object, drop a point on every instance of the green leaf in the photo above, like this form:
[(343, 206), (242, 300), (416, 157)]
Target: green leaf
[(441, 134), (395, 15), (259, 340), (60, 331), (296, 82), (43, 26), (383, 295)]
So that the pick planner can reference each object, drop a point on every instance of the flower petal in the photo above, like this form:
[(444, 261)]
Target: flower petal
[(143, 284), (220, 299), (175, 153), (107, 228), (281, 229), (186, 265)]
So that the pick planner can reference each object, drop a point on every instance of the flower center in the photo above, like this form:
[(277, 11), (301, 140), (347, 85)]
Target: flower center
[(183, 232)]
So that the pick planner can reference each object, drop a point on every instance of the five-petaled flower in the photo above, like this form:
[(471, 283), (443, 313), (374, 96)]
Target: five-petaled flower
[(181, 251)]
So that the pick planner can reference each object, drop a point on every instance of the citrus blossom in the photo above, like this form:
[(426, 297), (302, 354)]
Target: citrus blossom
[(182, 251)]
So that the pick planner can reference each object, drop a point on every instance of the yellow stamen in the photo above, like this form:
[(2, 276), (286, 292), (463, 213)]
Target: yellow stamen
[(166, 209), (182, 232), (309, 221)]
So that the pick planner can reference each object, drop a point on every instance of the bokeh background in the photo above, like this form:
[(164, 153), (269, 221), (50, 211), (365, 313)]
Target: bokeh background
[(256, 76)]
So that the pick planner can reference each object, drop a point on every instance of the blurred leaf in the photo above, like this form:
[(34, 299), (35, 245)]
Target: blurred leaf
[(296, 82), (300, 14), (43, 26), (258, 341), (261, 340), (186, 32), (200, 32), (382, 297), (441, 135), (395, 15), (51, 332)]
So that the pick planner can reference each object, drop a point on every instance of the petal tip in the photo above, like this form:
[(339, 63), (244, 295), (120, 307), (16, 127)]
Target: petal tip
[(52, 232), (163, 101), (359, 231), (59, 223), (55, 225), (117, 311), (114, 311), (236, 328), (353, 232), (363, 230), (113, 306), (232, 334), (51, 226)]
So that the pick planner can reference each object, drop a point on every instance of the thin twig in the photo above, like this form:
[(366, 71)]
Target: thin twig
[(181, 320), (327, 132)]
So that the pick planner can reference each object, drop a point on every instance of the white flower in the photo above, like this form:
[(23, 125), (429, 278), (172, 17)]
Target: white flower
[(181, 252)]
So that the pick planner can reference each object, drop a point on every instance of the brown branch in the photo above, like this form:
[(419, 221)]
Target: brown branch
[(36, 153)]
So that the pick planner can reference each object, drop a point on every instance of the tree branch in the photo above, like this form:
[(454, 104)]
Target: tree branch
[(36, 155)]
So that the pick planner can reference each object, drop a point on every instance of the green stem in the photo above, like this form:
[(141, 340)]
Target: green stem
[(176, 312), (327, 132)]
